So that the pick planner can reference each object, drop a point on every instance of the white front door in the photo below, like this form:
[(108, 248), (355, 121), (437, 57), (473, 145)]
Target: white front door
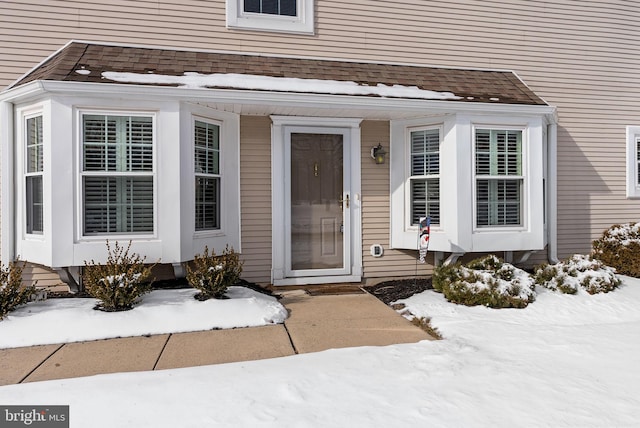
[(316, 200)]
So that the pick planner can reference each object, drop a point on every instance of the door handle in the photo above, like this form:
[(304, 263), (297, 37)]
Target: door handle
[(344, 200)]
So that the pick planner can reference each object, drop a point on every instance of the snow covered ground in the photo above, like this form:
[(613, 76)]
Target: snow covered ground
[(564, 361), (161, 311)]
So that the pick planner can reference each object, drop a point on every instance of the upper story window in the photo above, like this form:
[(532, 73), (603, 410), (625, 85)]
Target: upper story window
[(117, 174), (633, 161), (425, 175), (271, 7), (207, 175), (33, 175), (289, 16), (499, 178)]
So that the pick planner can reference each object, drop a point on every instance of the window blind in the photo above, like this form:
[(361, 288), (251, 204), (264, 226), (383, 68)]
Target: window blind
[(114, 148), (498, 177), (34, 221), (207, 175), (424, 179)]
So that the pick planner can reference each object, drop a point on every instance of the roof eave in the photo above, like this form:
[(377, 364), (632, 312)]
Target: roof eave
[(273, 98), (23, 92)]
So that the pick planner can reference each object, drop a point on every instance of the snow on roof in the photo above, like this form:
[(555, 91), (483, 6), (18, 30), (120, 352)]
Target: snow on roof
[(270, 83)]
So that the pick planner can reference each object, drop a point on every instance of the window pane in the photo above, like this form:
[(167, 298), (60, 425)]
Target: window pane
[(207, 148), (99, 143), (498, 202), (288, 8), (117, 143), (252, 6), (638, 160), (207, 165), (118, 205), (498, 152), (34, 144), (271, 7), (139, 143), (207, 208), (34, 204), (425, 200), (425, 158)]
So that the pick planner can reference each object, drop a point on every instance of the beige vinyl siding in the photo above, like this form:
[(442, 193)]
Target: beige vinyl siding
[(255, 197), (47, 278), (581, 56), (375, 212)]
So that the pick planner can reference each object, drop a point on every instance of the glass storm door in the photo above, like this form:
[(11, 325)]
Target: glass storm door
[(319, 228)]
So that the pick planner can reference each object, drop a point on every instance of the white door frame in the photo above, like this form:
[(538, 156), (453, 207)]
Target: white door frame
[(279, 193)]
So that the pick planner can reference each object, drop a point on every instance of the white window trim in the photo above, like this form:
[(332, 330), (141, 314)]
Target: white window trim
[(79, 188), (222, 220), (524, 208), (407, 220), (229, 232), (633, 144), (303, 23)]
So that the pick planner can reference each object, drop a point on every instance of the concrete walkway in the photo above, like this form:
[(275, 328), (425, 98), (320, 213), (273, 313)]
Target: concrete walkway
[(316, 323)]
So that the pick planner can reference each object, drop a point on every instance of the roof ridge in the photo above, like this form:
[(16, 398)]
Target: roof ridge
[(285, 56)]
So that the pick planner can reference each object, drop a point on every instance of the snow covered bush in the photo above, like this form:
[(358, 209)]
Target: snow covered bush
[(212, 274), (12, 292), (619, 247), (487, 281), (120, 282), (577, 272)]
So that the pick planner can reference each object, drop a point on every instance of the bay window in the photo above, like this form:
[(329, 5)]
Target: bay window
[(33, 176), (499, 178), (207, 175), (117, 174)]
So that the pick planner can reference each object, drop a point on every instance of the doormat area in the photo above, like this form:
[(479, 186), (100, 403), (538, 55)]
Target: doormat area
[(324, 290), (390, 291)]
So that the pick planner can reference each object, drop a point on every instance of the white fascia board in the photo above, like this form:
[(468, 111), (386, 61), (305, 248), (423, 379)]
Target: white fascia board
[(23, 93), (294, 99)]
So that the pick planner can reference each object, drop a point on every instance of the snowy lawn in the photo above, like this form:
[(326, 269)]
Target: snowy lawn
[(161, 311), (564, 361)]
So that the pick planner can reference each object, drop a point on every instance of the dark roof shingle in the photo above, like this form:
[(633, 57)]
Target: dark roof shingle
[(469, 85)]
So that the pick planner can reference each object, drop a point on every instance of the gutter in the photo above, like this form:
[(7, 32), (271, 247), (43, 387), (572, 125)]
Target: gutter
[(7, 232), (552, 192)]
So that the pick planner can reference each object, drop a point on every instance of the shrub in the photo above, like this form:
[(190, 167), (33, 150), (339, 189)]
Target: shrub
[(577, 272), (487, 281), (12, 292), (425, 324), (120, 282), (619, 248), (212, 274)]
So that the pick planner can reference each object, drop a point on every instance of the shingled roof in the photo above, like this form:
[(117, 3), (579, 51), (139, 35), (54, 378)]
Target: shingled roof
[(87, 62)]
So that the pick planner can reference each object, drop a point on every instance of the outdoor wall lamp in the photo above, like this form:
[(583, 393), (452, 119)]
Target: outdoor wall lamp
[(378, 153)]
